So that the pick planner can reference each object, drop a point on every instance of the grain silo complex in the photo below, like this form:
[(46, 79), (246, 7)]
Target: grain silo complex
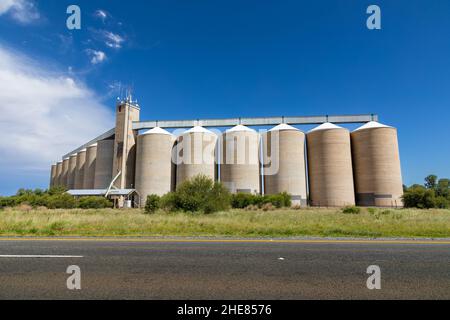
[(284, 163), (240, 165), (196, 154), (332, 169), (376, 166), (155, 171), (330, 166)]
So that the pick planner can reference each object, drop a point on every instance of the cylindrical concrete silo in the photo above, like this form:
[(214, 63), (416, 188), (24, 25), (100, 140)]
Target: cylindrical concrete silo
[(376, 166), (89, 167), (284, 163), (239, 166), (58, 174), (154, 166), (64, 173), (104, 165), (79, 172), (71, 172), (53, 175), (196, 154), (330, 166)]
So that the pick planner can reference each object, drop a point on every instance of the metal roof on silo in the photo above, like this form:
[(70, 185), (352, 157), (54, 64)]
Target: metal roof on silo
[(326, 126), (198, 129), (157, 130), (283, 127), (240, 128), (372, 125)]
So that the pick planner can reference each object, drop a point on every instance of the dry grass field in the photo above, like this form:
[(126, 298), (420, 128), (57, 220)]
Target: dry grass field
[(370, 223)]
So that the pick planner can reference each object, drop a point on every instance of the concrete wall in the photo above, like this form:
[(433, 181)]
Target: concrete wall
[(154, 168), (284, 169), (58, 174), (79, 172), (239, 167), (330, 168), (64, 173), (196, 156), (104, 165), (376, 165), (89, 167)]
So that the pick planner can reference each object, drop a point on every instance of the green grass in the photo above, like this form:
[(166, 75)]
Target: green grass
[(235, 223)]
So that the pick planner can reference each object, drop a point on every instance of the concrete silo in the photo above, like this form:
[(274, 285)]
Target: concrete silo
[(376, 166), (330, 166), (104, 165), (71, 172), (52, 175), (239, 165), (284, 163), (154, 167), (89, 167), (64, 173), (58, 173), (196, 154), (79, 172)]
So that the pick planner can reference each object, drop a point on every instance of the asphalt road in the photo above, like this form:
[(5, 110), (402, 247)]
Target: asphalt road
[(189, 269)]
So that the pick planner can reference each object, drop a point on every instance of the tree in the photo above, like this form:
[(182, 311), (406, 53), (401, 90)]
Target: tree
[(430, 182), (443, 188)]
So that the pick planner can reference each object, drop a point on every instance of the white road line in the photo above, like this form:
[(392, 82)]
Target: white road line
[(37, 256)]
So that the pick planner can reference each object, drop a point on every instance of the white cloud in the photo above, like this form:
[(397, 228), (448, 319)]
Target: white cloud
[(101, 14), (23, 11), (113, 40), (43, 115), (96, 56)]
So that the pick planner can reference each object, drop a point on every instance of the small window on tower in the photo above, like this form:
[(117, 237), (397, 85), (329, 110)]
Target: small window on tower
[(120, 108)]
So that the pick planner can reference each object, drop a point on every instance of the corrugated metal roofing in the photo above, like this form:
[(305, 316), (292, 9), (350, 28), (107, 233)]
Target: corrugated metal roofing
[(283, 126), (239, 128), (198, 129), (100, 192), (326, 126), (372, 125), (157, 130)]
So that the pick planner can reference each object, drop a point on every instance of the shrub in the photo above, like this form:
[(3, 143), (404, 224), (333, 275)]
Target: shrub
[(7, 202), (94, 203), (153, 203), (419, 197), (442, 202), (198, 194), (268, 207), (56, 190), (168, 202), (219, 199), (243, 200), (61, 201), (351, 210)]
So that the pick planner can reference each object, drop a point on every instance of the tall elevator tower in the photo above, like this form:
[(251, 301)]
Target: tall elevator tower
[(127, 112)]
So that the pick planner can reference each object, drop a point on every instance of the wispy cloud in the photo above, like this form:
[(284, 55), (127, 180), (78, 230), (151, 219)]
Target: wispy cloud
[(44, 113), (96, 56), (23, 11), (108, 38), (113, 40), (101, 14)]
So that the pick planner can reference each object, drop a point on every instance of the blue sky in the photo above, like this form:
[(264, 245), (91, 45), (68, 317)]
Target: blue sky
[(215, 59)]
